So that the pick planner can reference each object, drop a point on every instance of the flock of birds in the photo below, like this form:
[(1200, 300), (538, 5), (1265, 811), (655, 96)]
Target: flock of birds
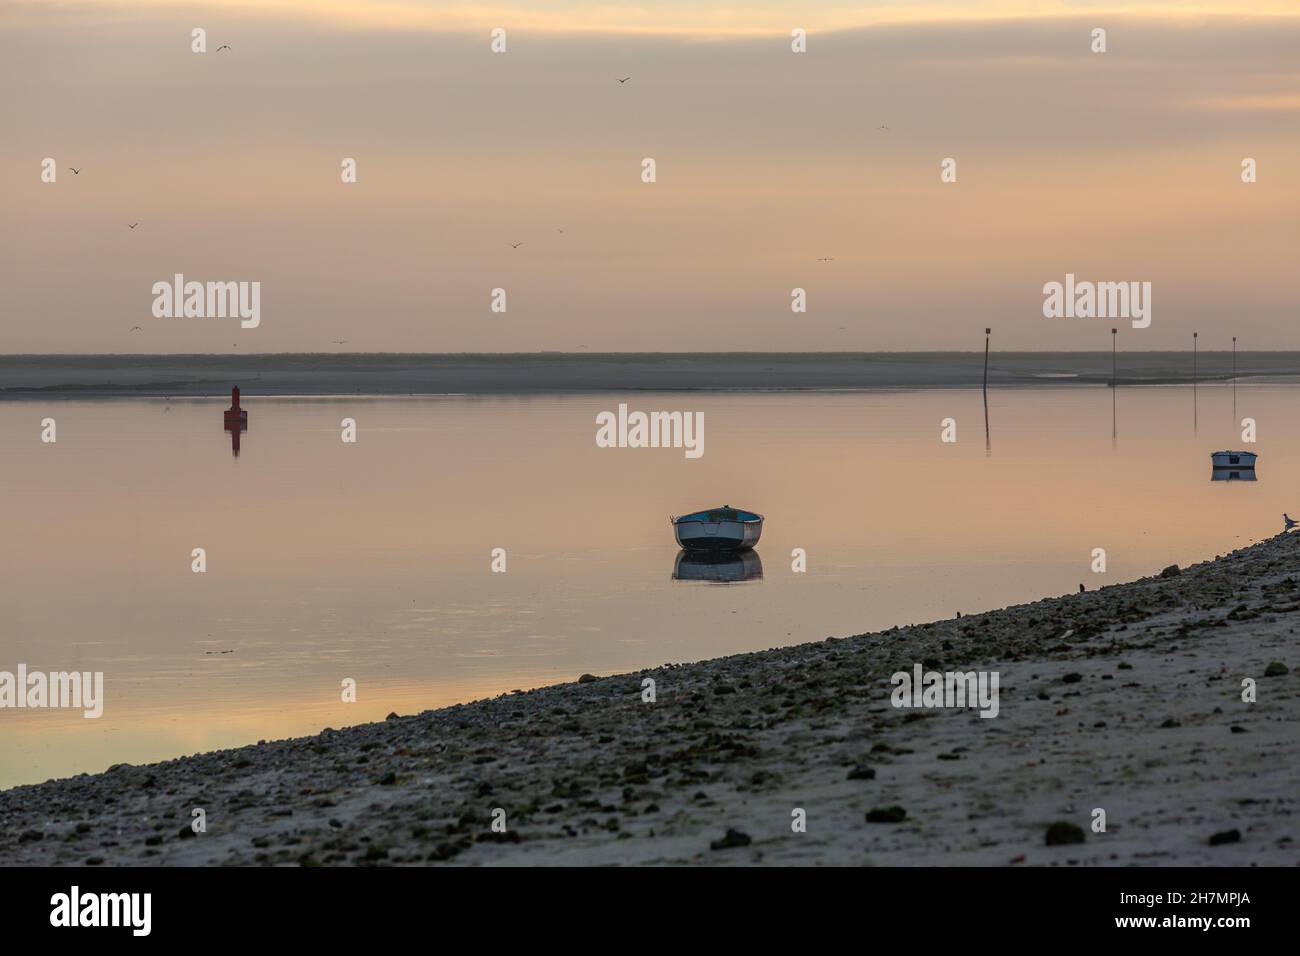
[(513, 245)]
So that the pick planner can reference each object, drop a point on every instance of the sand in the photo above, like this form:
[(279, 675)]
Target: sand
[(1126, 699), (100, 376)]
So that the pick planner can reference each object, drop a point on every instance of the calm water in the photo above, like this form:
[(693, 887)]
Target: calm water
[(373, 561)]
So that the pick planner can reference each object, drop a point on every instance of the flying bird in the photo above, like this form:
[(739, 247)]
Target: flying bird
[(224, 46), (1290, 522), (340, 341), (75, 171), (625, 79), (826, 259), (515, 245), (882, 126), (136, 328), (132, 225)]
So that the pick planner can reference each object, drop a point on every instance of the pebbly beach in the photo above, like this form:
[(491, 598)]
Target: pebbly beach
[(1170, 703)]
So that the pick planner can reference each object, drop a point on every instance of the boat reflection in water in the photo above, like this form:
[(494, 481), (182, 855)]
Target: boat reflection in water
[(1233, 474), (720, 567)]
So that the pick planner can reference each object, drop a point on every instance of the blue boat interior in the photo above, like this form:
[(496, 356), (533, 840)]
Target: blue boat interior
[(725, 513)]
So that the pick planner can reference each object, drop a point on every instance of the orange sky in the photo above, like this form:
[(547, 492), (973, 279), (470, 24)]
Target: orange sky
[(1116, 166)]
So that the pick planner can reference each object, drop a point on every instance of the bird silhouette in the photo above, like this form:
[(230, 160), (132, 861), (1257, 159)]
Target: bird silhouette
[(625, 79), (224, 46), (136, 328), (515, 245), (1290, 522), (882, 126), (132, 225), (75, 171), (826, 259), (340, 341)]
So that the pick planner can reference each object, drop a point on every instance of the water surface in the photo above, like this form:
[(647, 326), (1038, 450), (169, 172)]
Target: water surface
[(373, 561)]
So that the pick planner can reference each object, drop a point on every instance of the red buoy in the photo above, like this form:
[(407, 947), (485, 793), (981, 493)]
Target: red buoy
[(236, 417)]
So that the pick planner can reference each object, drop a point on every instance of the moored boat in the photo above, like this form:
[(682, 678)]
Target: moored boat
[(1233, 459), (718, 529)]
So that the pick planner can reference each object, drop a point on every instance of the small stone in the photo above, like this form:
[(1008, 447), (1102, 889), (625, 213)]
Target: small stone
[(1072, 678), (587, 678), (1238, 729), (186, 832), (734, 838), (862, 772), (388, 779), (1171, 572), (31, 836), (894, 814), (1225, 836), (1170, 722), (1063, 832), (1276, 669)]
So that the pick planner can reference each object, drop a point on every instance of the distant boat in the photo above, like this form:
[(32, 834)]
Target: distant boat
[(719, 567), (1233, 459), (718, 529)]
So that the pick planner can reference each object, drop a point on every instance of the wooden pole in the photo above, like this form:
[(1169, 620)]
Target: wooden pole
[(988, 441), (1113, 333)]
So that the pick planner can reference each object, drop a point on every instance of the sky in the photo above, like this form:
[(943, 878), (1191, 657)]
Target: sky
[(1116, 166)]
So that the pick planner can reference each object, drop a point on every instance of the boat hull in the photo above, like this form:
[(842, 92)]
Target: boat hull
[(718, 535)]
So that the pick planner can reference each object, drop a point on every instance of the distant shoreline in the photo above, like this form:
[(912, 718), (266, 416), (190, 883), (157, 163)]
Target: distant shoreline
[(323, 374)]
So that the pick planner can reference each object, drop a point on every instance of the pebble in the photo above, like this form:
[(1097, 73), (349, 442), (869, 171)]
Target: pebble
[(1062, 832), (734, 838)]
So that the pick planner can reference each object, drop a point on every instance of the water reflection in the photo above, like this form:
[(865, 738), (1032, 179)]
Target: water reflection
[(720, 567), (1232, 474)]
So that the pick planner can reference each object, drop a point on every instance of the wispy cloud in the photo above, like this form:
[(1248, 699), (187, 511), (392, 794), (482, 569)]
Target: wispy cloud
[(687, 17)]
